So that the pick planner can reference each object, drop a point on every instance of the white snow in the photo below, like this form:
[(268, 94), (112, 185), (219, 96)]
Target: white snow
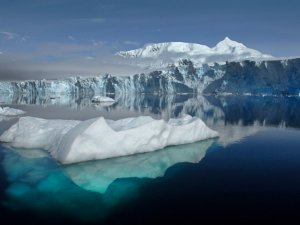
[(75, 141), (32, 132), (228, 46), (162, 54), (7, 111), (284, 62), (99, 99), (153, 50)]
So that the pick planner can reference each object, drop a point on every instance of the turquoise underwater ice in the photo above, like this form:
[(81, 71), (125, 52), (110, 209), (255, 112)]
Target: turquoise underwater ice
[(90, 190)]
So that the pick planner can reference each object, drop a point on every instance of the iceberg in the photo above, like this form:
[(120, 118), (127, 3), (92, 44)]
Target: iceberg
[(98, 175), (98, 99), (103, 101), (37, 133), (7, 111), (77, 141)]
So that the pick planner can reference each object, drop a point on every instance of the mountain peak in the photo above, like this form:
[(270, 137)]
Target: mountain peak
[(227, 39), (171, 52), (231, 43)]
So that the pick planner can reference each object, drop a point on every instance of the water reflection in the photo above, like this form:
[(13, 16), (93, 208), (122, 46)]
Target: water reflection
[(212, 109), (88, 190), (98, 175), (269, 110)]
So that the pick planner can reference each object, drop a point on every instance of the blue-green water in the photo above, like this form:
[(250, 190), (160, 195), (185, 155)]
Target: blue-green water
[(249, 175)]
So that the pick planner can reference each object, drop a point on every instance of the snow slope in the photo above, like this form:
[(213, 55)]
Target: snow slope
[(158, 55), (155, 50), (32, 132), (74, 141)]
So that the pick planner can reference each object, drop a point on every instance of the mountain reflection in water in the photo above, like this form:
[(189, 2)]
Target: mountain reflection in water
[(32, 180)]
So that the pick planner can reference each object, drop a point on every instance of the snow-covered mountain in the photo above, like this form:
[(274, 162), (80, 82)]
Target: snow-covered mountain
[(156, 50), (161, 54), (228, 46)]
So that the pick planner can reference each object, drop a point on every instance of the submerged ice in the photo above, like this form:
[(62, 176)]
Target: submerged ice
[(38, 183), (35, 182), (98, 175), (76, 141)]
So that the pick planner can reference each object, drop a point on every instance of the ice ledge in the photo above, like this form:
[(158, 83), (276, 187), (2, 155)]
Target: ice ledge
[(7, 111), (76, 141)]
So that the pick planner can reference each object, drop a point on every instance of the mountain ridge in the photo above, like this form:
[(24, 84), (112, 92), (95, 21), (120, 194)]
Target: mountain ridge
[(158, 55)]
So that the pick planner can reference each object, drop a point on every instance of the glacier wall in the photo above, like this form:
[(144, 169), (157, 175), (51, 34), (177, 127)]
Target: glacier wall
[(155, 82), (184, 78), (277, 77)]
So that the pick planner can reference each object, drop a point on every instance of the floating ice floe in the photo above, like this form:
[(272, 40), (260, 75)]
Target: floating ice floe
[(7, 111), (100, 99), (32, 132), (76, 141)]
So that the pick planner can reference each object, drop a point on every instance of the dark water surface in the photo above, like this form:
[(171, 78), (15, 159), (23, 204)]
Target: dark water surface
[(249, 175)]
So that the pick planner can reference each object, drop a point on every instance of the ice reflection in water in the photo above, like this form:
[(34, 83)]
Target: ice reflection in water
[(212, 109), (98, 175), (37, 182)]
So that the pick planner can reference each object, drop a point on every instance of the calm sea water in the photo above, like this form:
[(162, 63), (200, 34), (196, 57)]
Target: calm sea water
[(249, 175)]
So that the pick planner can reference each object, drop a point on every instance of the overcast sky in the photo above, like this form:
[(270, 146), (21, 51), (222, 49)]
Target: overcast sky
[(48, 37)]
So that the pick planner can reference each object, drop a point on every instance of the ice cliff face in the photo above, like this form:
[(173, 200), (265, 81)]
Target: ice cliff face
[(280, 77), (245, 77), (184, 78)]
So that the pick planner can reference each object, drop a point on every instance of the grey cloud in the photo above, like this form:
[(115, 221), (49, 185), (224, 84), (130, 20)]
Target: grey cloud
[(61, 50), (53, 60), (25, 38), (70, 37), (8, 72), (27, 67), (97, 43), (90, 20), (89, 58), (97, 20), (131, 43), (8, 35)]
